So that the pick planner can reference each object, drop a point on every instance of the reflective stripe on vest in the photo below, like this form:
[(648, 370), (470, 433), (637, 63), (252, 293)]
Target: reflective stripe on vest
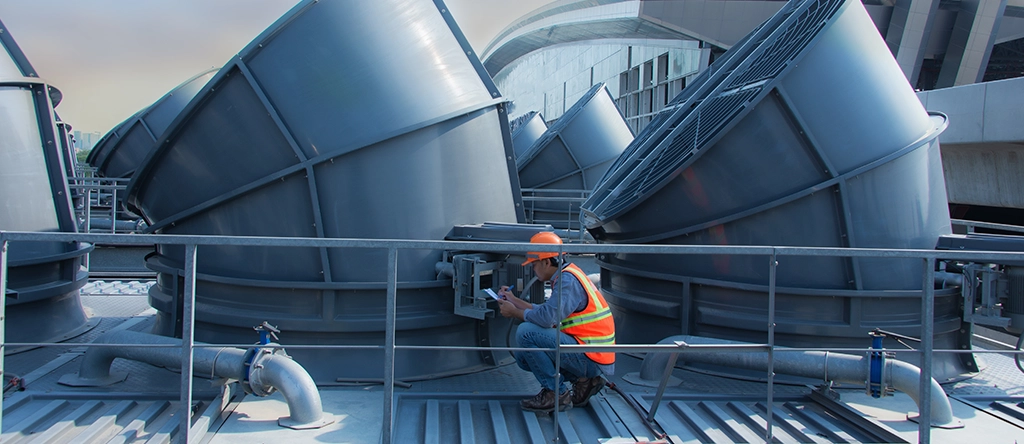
[(593, 325)]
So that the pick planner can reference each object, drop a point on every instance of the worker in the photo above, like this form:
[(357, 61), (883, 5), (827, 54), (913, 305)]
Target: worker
[(575, 313)]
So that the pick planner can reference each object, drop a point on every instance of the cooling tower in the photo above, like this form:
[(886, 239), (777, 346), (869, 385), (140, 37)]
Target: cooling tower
[(366, 119), (805, 134), (526, 129), (571, 157), (42, 297), (120, 151)]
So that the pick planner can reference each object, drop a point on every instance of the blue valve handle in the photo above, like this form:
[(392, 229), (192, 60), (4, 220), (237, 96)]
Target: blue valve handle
[(875, 369)]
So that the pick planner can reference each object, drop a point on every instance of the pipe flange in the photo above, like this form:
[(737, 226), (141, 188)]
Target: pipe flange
[(255, 383)]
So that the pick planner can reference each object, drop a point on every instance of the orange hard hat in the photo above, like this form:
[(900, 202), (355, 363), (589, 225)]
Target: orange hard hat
[(544, 237)]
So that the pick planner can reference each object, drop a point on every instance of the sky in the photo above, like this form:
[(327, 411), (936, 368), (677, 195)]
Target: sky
[(112, 58)]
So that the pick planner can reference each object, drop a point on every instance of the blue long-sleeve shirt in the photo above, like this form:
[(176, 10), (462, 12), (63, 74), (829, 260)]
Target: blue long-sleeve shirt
[(567, 297)]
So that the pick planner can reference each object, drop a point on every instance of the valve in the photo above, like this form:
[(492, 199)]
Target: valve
[(267, 332), (877, 361), (254, 357)]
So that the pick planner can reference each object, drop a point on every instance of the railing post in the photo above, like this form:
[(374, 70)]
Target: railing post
[(773, 263), (88, 209), (3, 319), (187, 336), (113, 208), (927, 332), (389, 348)]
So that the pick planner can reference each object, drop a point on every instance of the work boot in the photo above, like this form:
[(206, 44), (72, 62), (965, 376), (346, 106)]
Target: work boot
[(545, 401), (584, 388)]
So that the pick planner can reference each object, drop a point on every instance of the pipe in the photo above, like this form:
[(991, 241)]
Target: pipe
[(269, 371), (811, 364), (947, 279)]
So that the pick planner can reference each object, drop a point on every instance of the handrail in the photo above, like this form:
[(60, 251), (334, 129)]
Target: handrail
[(100, 188), (972, 224), (193, 242)]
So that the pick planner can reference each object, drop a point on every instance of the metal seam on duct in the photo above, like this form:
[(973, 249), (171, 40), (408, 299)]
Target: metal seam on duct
[(556, 128), (82, 249), (132, 189), (786, 104), (834, 181), (275, 114), (104, 150), (704, 91), (796, 291)]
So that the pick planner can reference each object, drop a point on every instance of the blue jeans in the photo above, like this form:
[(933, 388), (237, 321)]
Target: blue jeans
[(542, 363)]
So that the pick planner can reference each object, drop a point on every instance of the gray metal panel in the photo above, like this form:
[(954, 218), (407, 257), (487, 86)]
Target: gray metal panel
[(526, 129), (573, 154), (342, 120), (161, 113), (806, 134), (42, 287), (125, 146), (28, 198), (386, 82)]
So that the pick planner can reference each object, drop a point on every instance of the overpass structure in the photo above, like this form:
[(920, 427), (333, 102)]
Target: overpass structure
[(983, 148), (954, 52)]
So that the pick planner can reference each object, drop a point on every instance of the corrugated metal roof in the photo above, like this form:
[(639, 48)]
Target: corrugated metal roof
[(34, 417), (497, 418)]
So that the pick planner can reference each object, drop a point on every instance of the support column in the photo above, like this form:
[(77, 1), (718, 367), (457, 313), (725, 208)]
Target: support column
[(970, 43), (907, 37)]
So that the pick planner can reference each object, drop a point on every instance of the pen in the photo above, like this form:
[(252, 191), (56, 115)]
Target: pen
[(511, 287)]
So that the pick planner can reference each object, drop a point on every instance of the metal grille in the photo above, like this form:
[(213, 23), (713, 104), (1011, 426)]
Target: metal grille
[(795, 37), (703, 126), (717, 97)]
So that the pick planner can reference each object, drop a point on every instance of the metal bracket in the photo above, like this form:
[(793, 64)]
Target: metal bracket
[(473, 273), (981, 280)]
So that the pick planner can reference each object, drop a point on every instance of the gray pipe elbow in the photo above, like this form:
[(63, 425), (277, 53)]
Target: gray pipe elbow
[(269, 371), (298, 388), (907, 379), (819, 365)]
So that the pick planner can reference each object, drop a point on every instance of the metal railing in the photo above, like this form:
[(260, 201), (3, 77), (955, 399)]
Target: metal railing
[(971, 225), (549, 201), (193, 246), (100, 196)]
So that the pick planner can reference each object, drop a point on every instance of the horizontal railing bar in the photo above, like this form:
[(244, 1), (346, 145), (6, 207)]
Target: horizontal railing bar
[(619, 348), (173, 239), (988, 225)]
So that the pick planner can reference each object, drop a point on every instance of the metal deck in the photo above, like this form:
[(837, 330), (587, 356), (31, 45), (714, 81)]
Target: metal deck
[(478, 407)]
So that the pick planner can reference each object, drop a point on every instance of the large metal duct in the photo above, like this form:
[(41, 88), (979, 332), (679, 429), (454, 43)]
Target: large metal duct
[(526, 129), (570, 158), (120, 151), (342, 120), (804, 134), (42, 296)]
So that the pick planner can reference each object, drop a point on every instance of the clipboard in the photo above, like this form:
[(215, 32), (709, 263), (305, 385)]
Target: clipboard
[(492, 294)]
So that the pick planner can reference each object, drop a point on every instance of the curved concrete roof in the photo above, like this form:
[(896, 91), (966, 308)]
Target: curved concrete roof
[(572, 21), (721, 23), (717, 22)]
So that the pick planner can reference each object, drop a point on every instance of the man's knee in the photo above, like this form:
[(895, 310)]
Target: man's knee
[(526, 335)]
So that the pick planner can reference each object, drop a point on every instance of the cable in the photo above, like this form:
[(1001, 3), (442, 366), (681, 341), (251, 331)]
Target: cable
[(1016, 356), (14, 382)]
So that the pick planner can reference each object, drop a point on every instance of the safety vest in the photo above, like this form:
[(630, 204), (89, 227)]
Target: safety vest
[(593, 325)]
